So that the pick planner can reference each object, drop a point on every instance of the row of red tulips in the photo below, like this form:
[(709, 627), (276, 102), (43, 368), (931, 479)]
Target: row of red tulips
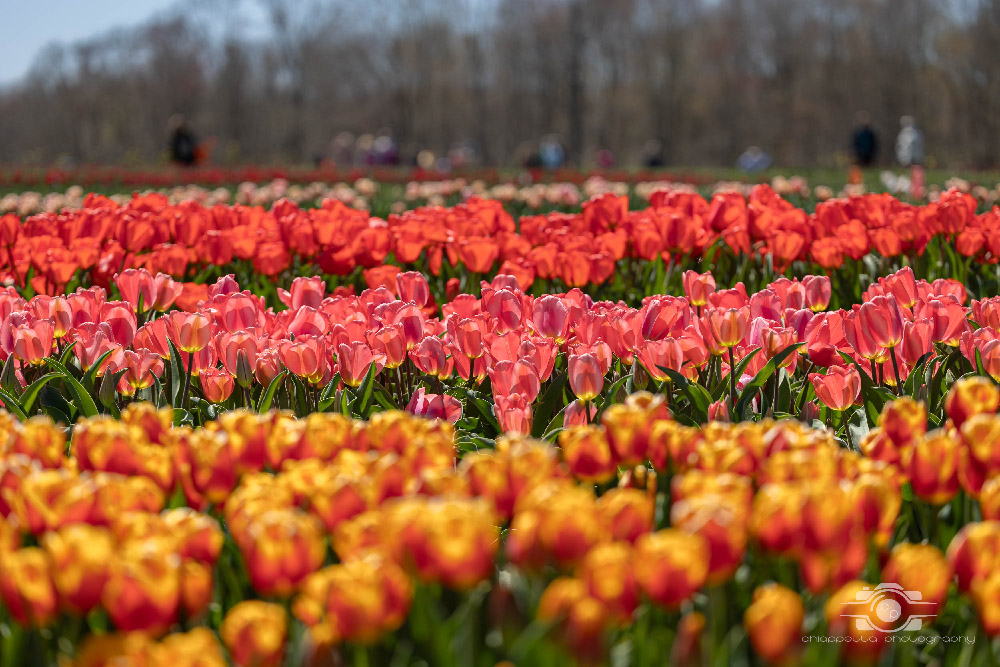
[(509, 360), (605, 246)]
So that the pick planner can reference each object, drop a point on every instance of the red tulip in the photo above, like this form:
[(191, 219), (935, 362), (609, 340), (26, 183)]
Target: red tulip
[(306, 356), (166, 290), (513, 412), (882, 320), (818, 292), (411, 286), (586, 377), (434, 406), (190, 332), (429, 356), (232, 345), (355, 359), (729, 327), (304, 292), (839, 388), (698, 287), (217, 384), (519, 376), (141, 368), (136, 285), (550, 317)]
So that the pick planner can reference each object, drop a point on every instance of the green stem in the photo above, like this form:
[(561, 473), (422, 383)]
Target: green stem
[(187, 381), (732, 384), (895, 370)]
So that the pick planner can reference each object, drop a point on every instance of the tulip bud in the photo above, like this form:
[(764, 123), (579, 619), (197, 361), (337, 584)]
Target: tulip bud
[(932, 467), (196, 587), (862, 641), (974, 553), (971, 396), (81, 556), (26, 588), (687, 650), (587, 453), (671, 565), (903, 420), (773, 621), (244, 370), (607, 570), (255, 633), (923, 568)]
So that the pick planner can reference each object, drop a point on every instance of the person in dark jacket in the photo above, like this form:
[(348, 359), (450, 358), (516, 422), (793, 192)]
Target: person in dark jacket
[(183, 146), (864, 141)]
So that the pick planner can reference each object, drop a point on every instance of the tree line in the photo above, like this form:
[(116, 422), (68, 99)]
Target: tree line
[(278, 80)]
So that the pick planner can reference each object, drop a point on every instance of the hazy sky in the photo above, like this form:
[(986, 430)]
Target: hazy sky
[(31, 24)]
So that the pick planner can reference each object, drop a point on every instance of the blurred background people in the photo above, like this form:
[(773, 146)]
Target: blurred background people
[(551, 152), (753, 160), (910, 153), (652, 155), (864, 147), (183, 146)]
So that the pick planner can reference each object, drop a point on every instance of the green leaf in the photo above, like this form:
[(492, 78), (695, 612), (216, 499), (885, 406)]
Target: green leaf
[(911, 386), (8, 378), (66, 353), (552, 430), (12, 404), (550, 399), (345, 402), (697, 396), (609, 398), (363, 403), (109, 391), (759, 380), (383, 398), (264, 404), (176, 374), (723, 387), (83, 402), (301, 404), (31, 393), (857, 426), (482, 404), (91, 374)]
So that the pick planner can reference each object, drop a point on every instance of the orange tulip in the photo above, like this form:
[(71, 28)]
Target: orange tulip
[(81, 558), (773, 622), (671, 565), (255, 632), (26, 588), (932, 466), (143, 591), (587, 453), (971, 396)]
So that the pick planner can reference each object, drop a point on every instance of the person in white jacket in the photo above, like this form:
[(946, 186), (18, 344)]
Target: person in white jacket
[(910, 153)]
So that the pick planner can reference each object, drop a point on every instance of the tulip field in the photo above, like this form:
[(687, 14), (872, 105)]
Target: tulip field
[(700, 431)]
